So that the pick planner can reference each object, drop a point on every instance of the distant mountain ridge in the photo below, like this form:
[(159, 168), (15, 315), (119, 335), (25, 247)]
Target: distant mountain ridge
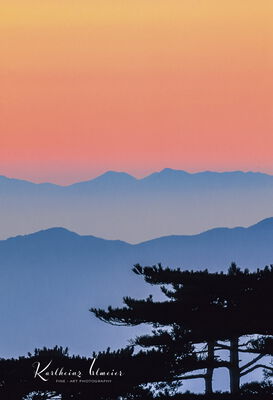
[(164, 173), (250, 247), (265, 224), (117, 204)]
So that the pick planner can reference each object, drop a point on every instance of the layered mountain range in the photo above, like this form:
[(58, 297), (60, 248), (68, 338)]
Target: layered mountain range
[(50, 279), (117, 205)]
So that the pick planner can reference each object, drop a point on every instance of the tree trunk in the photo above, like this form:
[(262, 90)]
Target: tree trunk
[(234, 370), (209, 373)]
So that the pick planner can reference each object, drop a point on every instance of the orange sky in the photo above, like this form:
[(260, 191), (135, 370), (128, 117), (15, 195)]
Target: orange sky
[(139, 85)]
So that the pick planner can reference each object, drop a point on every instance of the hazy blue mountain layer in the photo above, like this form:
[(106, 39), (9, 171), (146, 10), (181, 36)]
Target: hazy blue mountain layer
[(51, 278), (117, 205)]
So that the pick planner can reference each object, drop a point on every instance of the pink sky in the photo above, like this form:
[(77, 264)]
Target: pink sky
[(135, 86)]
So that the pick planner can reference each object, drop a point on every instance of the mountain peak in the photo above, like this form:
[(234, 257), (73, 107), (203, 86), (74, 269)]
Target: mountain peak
[(116, 174), (108, 177), (171, 172), (167, 173), (265, 224), (53, 233)]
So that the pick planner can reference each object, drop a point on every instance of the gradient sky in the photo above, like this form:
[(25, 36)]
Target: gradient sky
[(139, 85)]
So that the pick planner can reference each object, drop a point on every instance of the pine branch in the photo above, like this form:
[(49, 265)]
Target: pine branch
[(246, 343), (226, 347), (252, 362), (256, 367), (198, 376), (221, 346)]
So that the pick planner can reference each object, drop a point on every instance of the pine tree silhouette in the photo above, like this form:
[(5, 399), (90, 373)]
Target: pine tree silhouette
[(216, 311)]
